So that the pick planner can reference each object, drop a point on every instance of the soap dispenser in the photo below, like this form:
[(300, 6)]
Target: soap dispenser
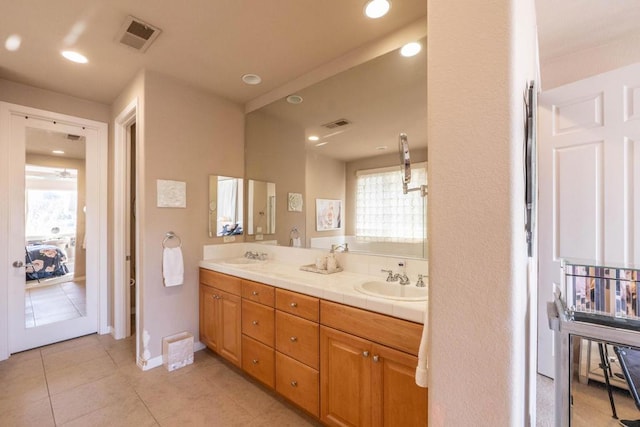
[(332, 263)]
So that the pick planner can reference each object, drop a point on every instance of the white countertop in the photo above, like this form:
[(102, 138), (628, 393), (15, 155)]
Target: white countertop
[(337, 287)]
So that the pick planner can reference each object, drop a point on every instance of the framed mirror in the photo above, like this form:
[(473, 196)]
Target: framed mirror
[(261, 207), (345, 127), (225, 206)]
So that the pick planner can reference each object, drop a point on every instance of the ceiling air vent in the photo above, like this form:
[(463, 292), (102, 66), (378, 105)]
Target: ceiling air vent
[(137, 34), (336, 124)]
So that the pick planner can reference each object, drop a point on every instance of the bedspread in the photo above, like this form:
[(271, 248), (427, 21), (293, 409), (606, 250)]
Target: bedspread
[(44, 261)]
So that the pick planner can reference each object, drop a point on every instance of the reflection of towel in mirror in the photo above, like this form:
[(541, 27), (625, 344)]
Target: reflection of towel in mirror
[(172, 266), (296, 242), (421, 370)]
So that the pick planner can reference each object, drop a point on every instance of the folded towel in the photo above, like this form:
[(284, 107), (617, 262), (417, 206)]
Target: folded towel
[(172, 266), (422, 369), (297, 242)]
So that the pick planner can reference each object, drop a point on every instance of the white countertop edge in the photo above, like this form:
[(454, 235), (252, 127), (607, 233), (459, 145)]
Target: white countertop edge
[(337, 287)]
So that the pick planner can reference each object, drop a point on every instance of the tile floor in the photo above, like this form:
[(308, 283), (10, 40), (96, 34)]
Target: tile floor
[(93, 381), (54, 303)]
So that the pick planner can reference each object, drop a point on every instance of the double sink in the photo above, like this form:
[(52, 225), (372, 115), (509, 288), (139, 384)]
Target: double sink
[(380, 289)]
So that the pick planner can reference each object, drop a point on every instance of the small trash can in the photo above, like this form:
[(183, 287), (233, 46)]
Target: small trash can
[(177, 351)]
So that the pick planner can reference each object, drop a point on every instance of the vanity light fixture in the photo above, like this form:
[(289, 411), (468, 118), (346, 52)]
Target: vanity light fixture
[(74, 56), (314, 138), (375, 9), (58, 152), (294, 99), (252, 79), (410, 49)]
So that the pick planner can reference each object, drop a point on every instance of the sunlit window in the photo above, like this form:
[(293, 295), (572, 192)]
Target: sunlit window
[(383, 213)]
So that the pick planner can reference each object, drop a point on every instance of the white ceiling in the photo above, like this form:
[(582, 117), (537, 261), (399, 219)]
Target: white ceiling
[(207, 43)]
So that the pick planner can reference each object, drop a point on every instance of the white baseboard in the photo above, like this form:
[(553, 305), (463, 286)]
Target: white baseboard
[(154, 362), (197, 346)]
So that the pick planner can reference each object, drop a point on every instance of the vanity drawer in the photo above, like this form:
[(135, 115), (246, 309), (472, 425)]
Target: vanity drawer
[(258, 322), (258, 360), (258, 292), (298, 304), (298, 338), (298, 383), (226, 283)]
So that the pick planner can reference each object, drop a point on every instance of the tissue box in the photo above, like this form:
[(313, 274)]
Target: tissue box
[(177, 351)]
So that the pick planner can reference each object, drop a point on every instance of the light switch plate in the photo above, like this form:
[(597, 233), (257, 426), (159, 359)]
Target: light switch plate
[(229, 239)]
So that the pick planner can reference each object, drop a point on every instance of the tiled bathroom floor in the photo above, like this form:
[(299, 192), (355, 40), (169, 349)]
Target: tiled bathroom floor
[(54, 303), (93, 381)]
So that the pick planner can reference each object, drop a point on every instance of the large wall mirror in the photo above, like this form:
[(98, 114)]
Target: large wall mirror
[(329, 139), (225, 206), (261, 207)]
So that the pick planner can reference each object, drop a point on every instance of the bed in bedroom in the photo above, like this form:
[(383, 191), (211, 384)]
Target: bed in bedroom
[(45, 261)]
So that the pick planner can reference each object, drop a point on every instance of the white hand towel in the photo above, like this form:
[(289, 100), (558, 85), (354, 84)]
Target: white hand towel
[(172, 266), (297, 242), (422, 369)]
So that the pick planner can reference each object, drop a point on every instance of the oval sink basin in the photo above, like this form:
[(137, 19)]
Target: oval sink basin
[(391, 290)]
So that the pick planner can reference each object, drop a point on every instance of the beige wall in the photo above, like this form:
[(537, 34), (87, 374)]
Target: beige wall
[(370, 163), (325, 178), (481, 54), (188, 135), (34, 97), (275, 152)]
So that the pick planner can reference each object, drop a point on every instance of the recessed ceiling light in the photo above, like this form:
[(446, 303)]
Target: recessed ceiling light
[(375, 9), (410, 49), (294, 99), (58, 152), (74, 56), (320, 144), (13, 42), (252, 79), (314, 138)]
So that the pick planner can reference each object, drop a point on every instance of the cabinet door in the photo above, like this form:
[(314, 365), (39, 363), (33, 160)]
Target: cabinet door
[(345, 379), (208, 317), (230, 328), (396, 399)]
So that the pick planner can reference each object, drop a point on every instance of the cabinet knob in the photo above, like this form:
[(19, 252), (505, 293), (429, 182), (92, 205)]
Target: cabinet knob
[(255, 322), (294, 304), (254, 293), (365, 353), (376, 358), (254, 361), (293, 339), (294, 383)]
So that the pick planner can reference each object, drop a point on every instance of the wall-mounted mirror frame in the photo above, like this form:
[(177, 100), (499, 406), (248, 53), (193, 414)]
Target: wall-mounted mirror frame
[(226, 209), (379, 99)]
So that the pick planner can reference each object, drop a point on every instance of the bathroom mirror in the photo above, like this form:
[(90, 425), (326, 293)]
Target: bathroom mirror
[(345, 125), (261, 207), (225, 206)]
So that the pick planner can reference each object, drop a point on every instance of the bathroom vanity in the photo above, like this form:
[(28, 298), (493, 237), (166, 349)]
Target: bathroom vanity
[(342, 356)]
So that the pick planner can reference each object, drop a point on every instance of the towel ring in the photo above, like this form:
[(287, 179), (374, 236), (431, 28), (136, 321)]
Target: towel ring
[(169, 236)]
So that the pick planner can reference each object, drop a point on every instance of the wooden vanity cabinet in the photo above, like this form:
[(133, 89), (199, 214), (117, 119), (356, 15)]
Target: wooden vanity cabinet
[(258, 329), (297, 349), (221, 315), (365, 382)]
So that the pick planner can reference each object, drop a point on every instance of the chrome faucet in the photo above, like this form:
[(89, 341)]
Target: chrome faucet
[(420, 282), (404, 280), (391, 277), (344, 247), (255, 255)]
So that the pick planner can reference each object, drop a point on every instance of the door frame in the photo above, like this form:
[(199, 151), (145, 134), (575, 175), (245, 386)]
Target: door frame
[(7, 110), (121, 222)]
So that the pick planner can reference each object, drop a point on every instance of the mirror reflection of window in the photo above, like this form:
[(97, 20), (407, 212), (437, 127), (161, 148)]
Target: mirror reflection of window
[(229, 206), (385, 214)]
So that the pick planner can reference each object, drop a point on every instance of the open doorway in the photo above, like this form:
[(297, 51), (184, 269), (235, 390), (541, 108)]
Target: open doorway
[(131, 226)]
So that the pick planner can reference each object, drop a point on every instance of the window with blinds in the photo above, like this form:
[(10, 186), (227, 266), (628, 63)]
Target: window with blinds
[(383, 213)]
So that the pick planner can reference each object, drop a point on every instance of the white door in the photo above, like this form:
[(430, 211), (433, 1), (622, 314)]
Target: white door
[(589, 181), (74, 302)]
